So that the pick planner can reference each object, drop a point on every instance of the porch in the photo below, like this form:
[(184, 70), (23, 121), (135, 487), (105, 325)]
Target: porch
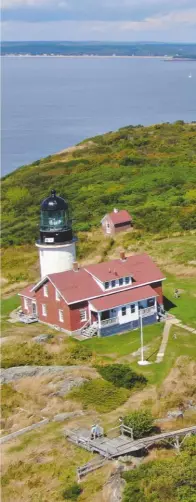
[(122, 317)]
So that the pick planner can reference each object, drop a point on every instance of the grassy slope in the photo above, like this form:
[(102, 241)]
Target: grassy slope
[(148, 170)]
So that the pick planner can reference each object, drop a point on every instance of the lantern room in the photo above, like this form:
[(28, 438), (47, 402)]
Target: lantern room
[(55, 222)]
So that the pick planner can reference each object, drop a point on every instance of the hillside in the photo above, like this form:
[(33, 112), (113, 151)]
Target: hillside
[(148, 170)]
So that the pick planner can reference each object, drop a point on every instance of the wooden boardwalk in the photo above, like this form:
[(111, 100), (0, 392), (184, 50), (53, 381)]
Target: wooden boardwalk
[(122, 444)]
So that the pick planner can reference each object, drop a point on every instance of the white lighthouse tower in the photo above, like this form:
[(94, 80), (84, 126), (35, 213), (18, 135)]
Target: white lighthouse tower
[(57, 246)]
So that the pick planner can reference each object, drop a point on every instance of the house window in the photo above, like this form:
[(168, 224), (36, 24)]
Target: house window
[(44, 310), (121, 281), (61, 317), (127, 280), (45, 290), (26, 304), (150, 302), (107, 285), (113, 283), (83, 315), (58, 296), (124, 311), (133, 308)]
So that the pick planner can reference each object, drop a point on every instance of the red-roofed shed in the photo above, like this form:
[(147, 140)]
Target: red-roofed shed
[(117, 221)]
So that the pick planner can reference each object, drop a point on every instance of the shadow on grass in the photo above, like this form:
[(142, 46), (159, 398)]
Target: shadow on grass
[(168, 304)]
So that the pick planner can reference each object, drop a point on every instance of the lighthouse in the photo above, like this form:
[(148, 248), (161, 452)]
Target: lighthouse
[(57, 246)]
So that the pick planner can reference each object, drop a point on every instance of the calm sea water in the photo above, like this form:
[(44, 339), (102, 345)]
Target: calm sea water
[(51, 103)]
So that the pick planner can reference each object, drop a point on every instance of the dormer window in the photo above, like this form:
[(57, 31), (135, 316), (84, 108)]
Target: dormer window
[(107, 285), (113, 284), (121, 281), (127, 280)]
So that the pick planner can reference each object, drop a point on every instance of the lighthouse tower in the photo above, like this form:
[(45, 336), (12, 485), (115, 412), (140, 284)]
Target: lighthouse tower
[(57, 246)]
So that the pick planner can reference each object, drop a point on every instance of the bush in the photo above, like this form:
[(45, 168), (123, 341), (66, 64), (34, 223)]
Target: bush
[(141, 422), (80, 352), (99, 395), (121, 375), (22, 354), (73, 492)]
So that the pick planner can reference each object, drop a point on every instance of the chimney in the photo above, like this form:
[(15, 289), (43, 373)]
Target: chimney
[(115, 210), (122, 256), (75, 266)]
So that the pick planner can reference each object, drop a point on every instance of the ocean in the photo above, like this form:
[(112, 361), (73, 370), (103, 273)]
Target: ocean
[(50, 103)]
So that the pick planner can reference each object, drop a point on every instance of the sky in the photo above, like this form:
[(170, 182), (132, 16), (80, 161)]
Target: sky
[(118, 20)]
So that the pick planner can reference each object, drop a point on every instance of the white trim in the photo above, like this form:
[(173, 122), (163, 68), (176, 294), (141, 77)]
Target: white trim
[(109, 292), (125, 304), (25, 296), (113, 291)]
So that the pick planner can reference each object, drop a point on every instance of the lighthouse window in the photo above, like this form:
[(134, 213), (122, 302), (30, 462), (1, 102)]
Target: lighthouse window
[(61, 317), (45, 290), (52, 220), (44, 310), (83, 315)]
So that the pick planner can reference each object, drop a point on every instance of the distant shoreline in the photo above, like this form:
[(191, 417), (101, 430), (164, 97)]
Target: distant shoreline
[(96, 56)]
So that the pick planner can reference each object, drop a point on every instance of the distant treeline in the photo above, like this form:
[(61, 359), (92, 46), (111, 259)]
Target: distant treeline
[(151, 171), (177, 50)]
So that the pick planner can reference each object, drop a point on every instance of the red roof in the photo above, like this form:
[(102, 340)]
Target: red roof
[(81, 285), (27, 291), (140, 267), (120, 217), (123, 298)]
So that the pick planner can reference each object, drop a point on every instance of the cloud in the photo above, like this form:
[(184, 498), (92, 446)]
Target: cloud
[(102, 19)]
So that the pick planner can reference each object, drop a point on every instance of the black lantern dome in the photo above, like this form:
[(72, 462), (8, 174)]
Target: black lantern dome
[(55, 224)]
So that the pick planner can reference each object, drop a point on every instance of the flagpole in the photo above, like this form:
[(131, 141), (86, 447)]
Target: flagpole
[(142, 361)]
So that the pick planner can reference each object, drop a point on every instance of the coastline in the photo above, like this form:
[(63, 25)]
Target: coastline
[(80, 56)]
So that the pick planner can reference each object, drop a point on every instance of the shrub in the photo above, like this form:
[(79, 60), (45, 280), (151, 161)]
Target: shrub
[(24, 354), (73, 492), (121, 375), (10, 399), (141, 422), (80, 352), (99, 395)]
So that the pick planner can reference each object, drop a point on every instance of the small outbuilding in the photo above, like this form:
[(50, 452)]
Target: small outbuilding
[(117, 221)]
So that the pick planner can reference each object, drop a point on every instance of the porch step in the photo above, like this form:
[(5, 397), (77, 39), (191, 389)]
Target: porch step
[(89, 332)]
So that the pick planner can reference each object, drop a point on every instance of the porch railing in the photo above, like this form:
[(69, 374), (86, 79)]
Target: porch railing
[(109, 322), (148, 311)]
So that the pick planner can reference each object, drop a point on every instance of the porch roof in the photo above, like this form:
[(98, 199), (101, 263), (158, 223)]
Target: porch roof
[(123, 298)]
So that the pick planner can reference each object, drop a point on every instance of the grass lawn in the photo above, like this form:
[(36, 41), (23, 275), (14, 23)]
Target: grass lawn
[(122, 345), (184, 308), (9, 304), (183, 345)]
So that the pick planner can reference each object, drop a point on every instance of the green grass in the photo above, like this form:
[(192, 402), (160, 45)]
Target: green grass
[(184, 308), (184, 345), (99, 395), (125, 344), (9, 304)]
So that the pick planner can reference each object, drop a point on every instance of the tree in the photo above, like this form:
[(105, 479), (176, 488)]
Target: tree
[(141, 422)]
